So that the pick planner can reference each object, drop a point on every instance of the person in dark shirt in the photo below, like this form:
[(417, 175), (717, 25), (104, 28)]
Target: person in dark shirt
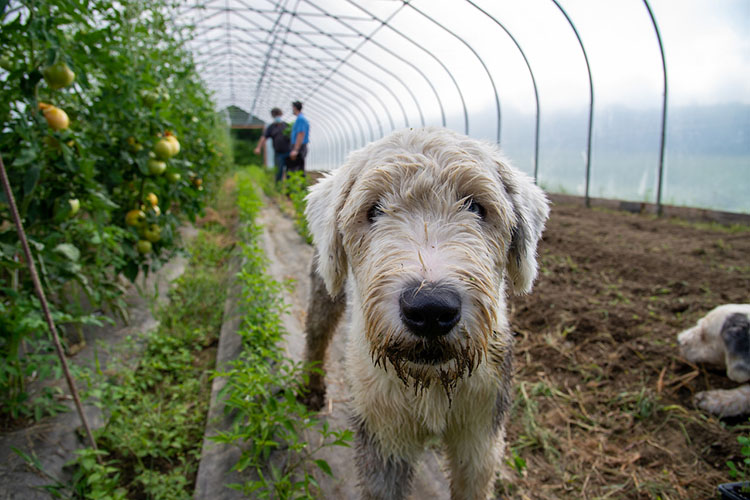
[(275, 132)]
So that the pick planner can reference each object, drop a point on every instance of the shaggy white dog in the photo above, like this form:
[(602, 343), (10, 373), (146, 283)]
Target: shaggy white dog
[(429, 226), (722, 338)]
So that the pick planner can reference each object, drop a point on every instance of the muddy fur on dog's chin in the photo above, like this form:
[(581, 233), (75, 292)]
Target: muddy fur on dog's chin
[(429, 227)]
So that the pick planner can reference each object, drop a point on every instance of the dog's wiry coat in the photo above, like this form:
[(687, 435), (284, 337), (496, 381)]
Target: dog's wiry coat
[(434, 213)]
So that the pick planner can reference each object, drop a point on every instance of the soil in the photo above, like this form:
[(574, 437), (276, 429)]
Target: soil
[(603, 404)]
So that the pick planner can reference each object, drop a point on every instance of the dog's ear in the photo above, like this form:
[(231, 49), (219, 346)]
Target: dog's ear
[(735, 332), (324, 202), (531, 210)]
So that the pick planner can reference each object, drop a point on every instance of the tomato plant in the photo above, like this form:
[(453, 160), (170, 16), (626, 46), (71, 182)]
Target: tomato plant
[(91, 91)]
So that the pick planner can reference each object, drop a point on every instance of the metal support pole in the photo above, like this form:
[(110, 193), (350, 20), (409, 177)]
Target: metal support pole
[(659, 207), (468, 45), (591, 102), (533, 82)]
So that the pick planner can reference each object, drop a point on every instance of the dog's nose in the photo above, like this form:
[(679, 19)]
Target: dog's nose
[(430, 310)]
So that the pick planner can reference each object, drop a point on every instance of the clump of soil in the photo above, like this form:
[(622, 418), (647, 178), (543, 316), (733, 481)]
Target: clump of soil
[(603, 404)]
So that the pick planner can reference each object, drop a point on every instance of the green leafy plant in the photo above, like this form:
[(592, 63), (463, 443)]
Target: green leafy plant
[(122, 77), (263, 385), (154, 394), (295, 186), (741, 470)]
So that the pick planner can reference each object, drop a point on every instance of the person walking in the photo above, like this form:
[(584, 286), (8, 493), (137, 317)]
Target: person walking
[(275, 132), (300, 139)]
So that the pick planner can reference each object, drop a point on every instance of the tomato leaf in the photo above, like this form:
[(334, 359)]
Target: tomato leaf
[(69, 251)]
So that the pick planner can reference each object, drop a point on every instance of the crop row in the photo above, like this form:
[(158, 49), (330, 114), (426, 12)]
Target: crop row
[(108, 137)]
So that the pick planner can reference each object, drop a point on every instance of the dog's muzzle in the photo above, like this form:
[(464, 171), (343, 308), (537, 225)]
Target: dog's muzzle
[(430, 310)]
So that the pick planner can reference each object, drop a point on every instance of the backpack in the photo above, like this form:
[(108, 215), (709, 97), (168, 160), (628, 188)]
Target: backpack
[(281, 143)]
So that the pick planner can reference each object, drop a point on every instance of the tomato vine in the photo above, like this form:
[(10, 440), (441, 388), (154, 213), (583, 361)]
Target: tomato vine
[(75, 177)]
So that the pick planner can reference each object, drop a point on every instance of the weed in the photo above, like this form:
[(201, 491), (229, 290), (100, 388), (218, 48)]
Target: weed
[(534, 435), (741, 470), (263, 385), (517, 462), (295, 187)]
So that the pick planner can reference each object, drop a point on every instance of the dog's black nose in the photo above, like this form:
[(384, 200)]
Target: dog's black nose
[(430, 310)]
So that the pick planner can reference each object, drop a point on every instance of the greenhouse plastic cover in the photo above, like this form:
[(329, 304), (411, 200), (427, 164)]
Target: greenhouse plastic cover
[(636, 100)]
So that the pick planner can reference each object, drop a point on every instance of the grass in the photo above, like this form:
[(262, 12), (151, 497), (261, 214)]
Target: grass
[(263, 385)]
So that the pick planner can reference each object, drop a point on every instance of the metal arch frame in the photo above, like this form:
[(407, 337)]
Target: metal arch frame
[(363, 72), (354, 102), (369, 38), (229, 49), (468, 45), (336, 142), (327, 50), (659, 207), (337, 58), (533, 81), (437, 59), (340, 138), (591, 102), (324, 64), (292, 88), (274, 36)]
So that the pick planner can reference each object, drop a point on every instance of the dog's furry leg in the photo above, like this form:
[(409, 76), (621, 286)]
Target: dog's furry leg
[(725, 402), (380, 478), (323, 315), (475, 449)]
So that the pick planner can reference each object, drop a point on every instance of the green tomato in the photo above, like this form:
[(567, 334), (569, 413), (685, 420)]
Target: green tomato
[(149, 97), (164, 149), (156, 167), (143, 247), (6, 63), (152, 233), (58, 76), (75, 205), (173, 176)]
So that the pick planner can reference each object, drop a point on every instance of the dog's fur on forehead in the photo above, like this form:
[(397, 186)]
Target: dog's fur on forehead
[(430, 165)]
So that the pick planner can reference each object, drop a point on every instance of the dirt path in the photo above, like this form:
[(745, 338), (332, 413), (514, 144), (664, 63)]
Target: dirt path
[(290, 258)]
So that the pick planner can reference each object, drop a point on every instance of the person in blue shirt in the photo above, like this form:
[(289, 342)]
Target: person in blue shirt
[(300, 138)]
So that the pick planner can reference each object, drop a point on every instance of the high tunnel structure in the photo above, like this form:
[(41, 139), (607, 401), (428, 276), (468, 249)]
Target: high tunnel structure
[(639, 100)]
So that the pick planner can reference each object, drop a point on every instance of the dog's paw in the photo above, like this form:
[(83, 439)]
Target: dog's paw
[(313, 399), (724, 403)]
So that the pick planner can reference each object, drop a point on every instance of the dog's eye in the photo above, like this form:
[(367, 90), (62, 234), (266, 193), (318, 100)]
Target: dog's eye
[(474, 207), (374, 212)]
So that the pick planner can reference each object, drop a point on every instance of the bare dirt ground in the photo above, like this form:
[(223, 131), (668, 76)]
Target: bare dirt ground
[(603, 403)]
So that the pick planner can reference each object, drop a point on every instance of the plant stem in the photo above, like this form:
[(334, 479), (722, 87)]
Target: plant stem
[(42, 299)]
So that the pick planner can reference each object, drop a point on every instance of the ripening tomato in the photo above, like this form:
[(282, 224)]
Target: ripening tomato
[(57, 119), (135, 218)]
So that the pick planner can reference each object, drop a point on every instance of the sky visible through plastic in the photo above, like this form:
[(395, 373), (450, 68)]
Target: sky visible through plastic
[(365, 68)]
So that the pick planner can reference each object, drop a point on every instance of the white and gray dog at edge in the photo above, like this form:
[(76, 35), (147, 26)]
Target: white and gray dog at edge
[(430, 229), (722, 338)]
